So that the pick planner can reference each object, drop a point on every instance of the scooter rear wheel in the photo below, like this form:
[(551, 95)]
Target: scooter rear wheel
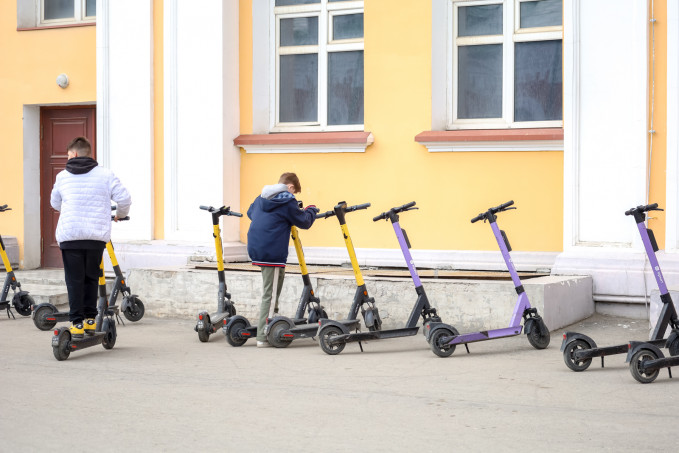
[(569, 353), (232, 336), (325, 334), (634, 366), (275, 332), (437, 347), (23, 304), (40, 315), (536, 338), (135, 310), (110, 335)]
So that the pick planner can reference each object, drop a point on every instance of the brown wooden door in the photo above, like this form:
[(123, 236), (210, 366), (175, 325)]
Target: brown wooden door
[(58, 126)]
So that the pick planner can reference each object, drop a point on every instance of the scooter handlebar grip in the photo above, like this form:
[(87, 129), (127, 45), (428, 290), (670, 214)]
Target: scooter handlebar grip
[(478, 217), (380, 217), (506, 205), (3, 207), (357, 207), (236, 214), (205, 208), (325, 215)]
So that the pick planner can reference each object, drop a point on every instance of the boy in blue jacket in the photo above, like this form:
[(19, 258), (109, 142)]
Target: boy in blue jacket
[(273, 213)]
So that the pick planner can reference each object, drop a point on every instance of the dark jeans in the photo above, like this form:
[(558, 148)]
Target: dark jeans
[(81, 270)]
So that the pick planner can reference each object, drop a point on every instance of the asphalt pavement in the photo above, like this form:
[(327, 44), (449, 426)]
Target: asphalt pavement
[(160, 389)]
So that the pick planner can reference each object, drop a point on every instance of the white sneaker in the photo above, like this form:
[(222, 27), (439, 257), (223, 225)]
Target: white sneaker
[(263, 344)]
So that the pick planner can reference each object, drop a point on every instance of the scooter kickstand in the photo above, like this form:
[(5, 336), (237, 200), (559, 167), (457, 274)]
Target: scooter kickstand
[(602, 361), (360, 345), (119, 319), (466, 347)]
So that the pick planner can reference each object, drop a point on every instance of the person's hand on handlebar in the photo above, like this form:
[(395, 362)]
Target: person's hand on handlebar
[(312, 209)]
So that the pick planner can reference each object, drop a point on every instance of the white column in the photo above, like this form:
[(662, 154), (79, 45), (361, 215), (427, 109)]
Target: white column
[(202, 167), (605, 139), (125, 105), (672, 204)]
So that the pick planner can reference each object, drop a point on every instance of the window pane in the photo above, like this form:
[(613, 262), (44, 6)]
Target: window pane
[(295, 2), (347, 26), (479, 20), (542, 13), (538, 83), (59, 9), (345, 87), (479, 85), (299, 31), (298, 88), (91, 8)]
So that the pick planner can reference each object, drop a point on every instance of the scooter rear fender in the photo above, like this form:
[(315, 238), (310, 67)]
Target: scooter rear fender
[(572, 336), (636, 346)]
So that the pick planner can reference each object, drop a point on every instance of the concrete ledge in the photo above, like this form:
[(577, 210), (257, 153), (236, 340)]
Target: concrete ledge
[(656, 306), (12, 249), (467, 304)]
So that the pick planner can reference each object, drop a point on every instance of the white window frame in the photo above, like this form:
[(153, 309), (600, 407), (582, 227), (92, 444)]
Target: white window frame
[(512, 33), (325, 11), (79, 9)]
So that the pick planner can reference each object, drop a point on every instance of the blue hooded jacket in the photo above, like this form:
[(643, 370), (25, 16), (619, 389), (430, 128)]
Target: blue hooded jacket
[(273, 213)]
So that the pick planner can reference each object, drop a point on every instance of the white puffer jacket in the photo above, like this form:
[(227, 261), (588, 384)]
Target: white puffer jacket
[(84, 201)]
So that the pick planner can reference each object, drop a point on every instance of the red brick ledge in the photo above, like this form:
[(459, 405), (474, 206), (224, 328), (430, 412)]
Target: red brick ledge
[(490, 135), (305, 138)]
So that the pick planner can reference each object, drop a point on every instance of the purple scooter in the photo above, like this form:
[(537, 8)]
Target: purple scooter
[(579, 349), (443, 337)]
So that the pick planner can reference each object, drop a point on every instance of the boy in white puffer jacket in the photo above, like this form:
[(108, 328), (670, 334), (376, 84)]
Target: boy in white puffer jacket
[(83, 193)]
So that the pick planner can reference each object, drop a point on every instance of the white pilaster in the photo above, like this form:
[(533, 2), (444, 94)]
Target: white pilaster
[(672, 204)]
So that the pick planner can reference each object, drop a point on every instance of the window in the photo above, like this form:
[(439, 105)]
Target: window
[(318, 81), (504, 64), (58, 12)]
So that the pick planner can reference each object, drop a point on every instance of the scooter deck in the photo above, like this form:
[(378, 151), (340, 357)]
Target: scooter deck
[(375, 335), (585, 354), (310, 330)]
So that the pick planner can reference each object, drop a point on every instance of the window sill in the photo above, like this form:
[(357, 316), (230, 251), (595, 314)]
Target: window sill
[(305, 142), (546, 139), (49, 27)]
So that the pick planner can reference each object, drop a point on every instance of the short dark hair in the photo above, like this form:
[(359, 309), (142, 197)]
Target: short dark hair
[(291, 178), (81, 146)]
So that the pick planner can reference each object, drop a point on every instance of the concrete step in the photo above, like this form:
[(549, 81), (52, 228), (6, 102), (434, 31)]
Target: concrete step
[(54, 294)]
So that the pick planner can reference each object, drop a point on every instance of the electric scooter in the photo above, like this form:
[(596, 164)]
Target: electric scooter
[(105, 333), (579, 349), (443, 338), (209, 323), (238, 329), (280, 332), (332, 340), (21, 301), (45, 315), (645, 358)]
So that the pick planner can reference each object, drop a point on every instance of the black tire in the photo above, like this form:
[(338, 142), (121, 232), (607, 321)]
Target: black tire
[(110, 334), (314, 316), (274, 336), (22, 304), (536, 338), (135, 310), (204, 334), (231, 336), (231, 309), (674, 347), (61, 350), (325, 334), (569, 352), (40, 315), (442, 350), (637, 359)]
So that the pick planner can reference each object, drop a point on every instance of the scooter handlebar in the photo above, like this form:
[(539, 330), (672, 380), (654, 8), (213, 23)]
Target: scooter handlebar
[(4, 208), (357, 207), (496, 209), (224, 210), (325, 215), (642, 208), (405, 207)]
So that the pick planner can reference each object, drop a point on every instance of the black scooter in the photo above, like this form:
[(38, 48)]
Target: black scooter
[(209, 323), (21, 301), (238, 329), (105, 333), (579, 350), (45, 315), (333, 339)]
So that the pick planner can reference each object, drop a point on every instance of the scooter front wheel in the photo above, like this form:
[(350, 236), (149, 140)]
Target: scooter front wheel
[(634, 366), (536, 338), (23, 303), (110, 335), (135, 310), (325, 335), (674, 347), (440, 348), (40, 317), (569, 355)]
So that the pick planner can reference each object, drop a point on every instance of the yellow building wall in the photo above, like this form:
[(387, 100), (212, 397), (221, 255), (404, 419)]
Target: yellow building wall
[(658, 117), (449, 188), (31, 61), (158, 123)]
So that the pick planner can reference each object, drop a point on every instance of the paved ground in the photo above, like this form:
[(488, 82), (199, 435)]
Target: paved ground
[(160, 389)]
